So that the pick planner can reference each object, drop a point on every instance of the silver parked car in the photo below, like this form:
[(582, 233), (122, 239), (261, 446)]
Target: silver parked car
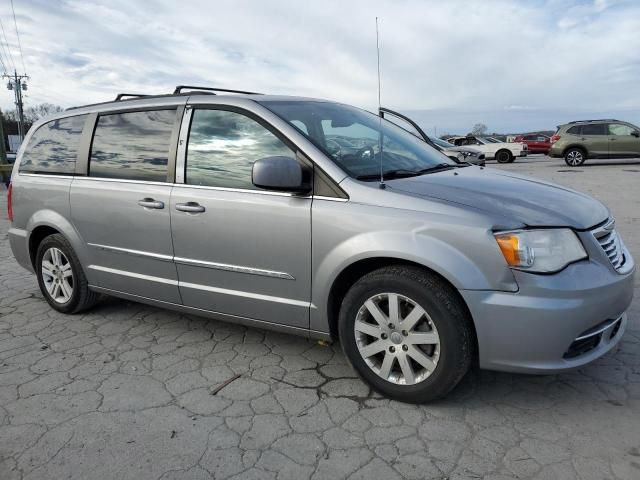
[(271, 211)]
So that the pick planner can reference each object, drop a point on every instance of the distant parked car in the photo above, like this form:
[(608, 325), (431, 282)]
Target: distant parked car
[(536, 143), (460, 154), (503, 152), (605, 138)]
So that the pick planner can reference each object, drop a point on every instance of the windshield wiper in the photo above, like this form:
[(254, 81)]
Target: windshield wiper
[(389, 175), (402, 173), (437, 168)]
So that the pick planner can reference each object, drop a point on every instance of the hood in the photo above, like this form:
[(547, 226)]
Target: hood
[(526, 200)]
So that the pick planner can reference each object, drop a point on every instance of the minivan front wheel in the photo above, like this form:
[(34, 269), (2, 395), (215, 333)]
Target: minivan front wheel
[(60, 276), (406, 333), (574, 157)]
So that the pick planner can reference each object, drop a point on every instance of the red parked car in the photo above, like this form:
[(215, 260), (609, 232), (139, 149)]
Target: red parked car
[(537, 143)]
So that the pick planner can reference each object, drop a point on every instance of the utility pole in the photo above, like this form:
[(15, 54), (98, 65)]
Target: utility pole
[(3, 153), (18, 83)]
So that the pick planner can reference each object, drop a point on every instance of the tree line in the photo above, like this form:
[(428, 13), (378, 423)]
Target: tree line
[(31, 115)]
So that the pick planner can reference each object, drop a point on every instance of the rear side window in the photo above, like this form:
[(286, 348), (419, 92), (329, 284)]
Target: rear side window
[(594, 129), (223, 146), (53, 148), (575, 130), (132, 145)]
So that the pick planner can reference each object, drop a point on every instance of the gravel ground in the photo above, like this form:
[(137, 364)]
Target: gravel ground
[(126, 391)]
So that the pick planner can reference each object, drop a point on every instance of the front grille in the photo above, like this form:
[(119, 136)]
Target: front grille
[(610, 243)]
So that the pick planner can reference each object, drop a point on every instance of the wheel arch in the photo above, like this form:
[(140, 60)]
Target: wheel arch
[(35, 239), (503, 149), (48, 222), (577, 146), (356, 270)]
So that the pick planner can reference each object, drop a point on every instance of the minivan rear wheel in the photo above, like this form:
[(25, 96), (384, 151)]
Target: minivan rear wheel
[(574, 157), (407, 333), (60, 276)]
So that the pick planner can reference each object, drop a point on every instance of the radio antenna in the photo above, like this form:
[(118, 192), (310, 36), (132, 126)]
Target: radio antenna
[(380, 139)]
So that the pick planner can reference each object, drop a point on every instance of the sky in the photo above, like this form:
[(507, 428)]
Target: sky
[(513, 65)]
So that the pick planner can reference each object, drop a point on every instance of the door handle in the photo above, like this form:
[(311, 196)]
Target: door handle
[(151, 203), (190, 207), (612, 139)]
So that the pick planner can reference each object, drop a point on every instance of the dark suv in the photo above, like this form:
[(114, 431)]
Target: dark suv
[(606, 138)]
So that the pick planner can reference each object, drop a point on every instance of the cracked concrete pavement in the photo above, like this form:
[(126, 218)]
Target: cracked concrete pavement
[(125, 391)]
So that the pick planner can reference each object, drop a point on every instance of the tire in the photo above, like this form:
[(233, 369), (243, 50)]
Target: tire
[(504, 156), (443, 332), (70, 293), (574, 157)]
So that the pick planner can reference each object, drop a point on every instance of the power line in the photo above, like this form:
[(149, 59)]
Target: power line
[(15, 23), (4, 67), (10, 56), (5, 56)]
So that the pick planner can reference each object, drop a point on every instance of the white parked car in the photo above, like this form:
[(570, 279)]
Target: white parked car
[(492, 148)]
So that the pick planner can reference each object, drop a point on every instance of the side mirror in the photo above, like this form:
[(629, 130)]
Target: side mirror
[(283, 174)]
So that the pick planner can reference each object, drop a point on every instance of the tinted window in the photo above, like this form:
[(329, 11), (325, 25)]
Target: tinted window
[(593, 129), (575, 130), (620, 129), (223, 147), (133, 145), (53, 148)]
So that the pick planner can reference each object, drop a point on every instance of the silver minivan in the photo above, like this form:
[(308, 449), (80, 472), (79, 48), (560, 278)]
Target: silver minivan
[(321, 219)]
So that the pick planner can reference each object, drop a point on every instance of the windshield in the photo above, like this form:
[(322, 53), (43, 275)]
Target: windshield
[(351, 138)]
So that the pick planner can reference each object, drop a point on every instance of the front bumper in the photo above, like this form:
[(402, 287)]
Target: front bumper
[(554, 322)]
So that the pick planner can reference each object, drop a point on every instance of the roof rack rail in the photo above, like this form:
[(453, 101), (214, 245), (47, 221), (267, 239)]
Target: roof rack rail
[(596, 120), (179, 89), (120, 96)]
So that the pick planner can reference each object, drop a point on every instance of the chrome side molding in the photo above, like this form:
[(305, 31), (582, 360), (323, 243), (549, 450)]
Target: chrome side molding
[(195, 263)]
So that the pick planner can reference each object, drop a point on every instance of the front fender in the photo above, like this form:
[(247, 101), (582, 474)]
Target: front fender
[(466, 255)]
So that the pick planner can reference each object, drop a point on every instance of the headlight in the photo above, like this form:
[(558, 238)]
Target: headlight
[(541, 251)]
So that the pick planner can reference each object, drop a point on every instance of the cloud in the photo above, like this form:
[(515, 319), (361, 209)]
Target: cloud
[(456, 55)]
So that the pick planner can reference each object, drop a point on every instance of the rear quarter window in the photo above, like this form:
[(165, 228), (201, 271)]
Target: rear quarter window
[(53, 148), (575, 130), (594, 129), (132, 145)]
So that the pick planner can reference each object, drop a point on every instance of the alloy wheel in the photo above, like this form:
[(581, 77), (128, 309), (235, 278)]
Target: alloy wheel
[(397, 339), (574, 158), (57, 275)]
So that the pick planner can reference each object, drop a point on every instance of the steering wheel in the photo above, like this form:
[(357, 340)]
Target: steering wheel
[(360, 153), (333, 147)]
